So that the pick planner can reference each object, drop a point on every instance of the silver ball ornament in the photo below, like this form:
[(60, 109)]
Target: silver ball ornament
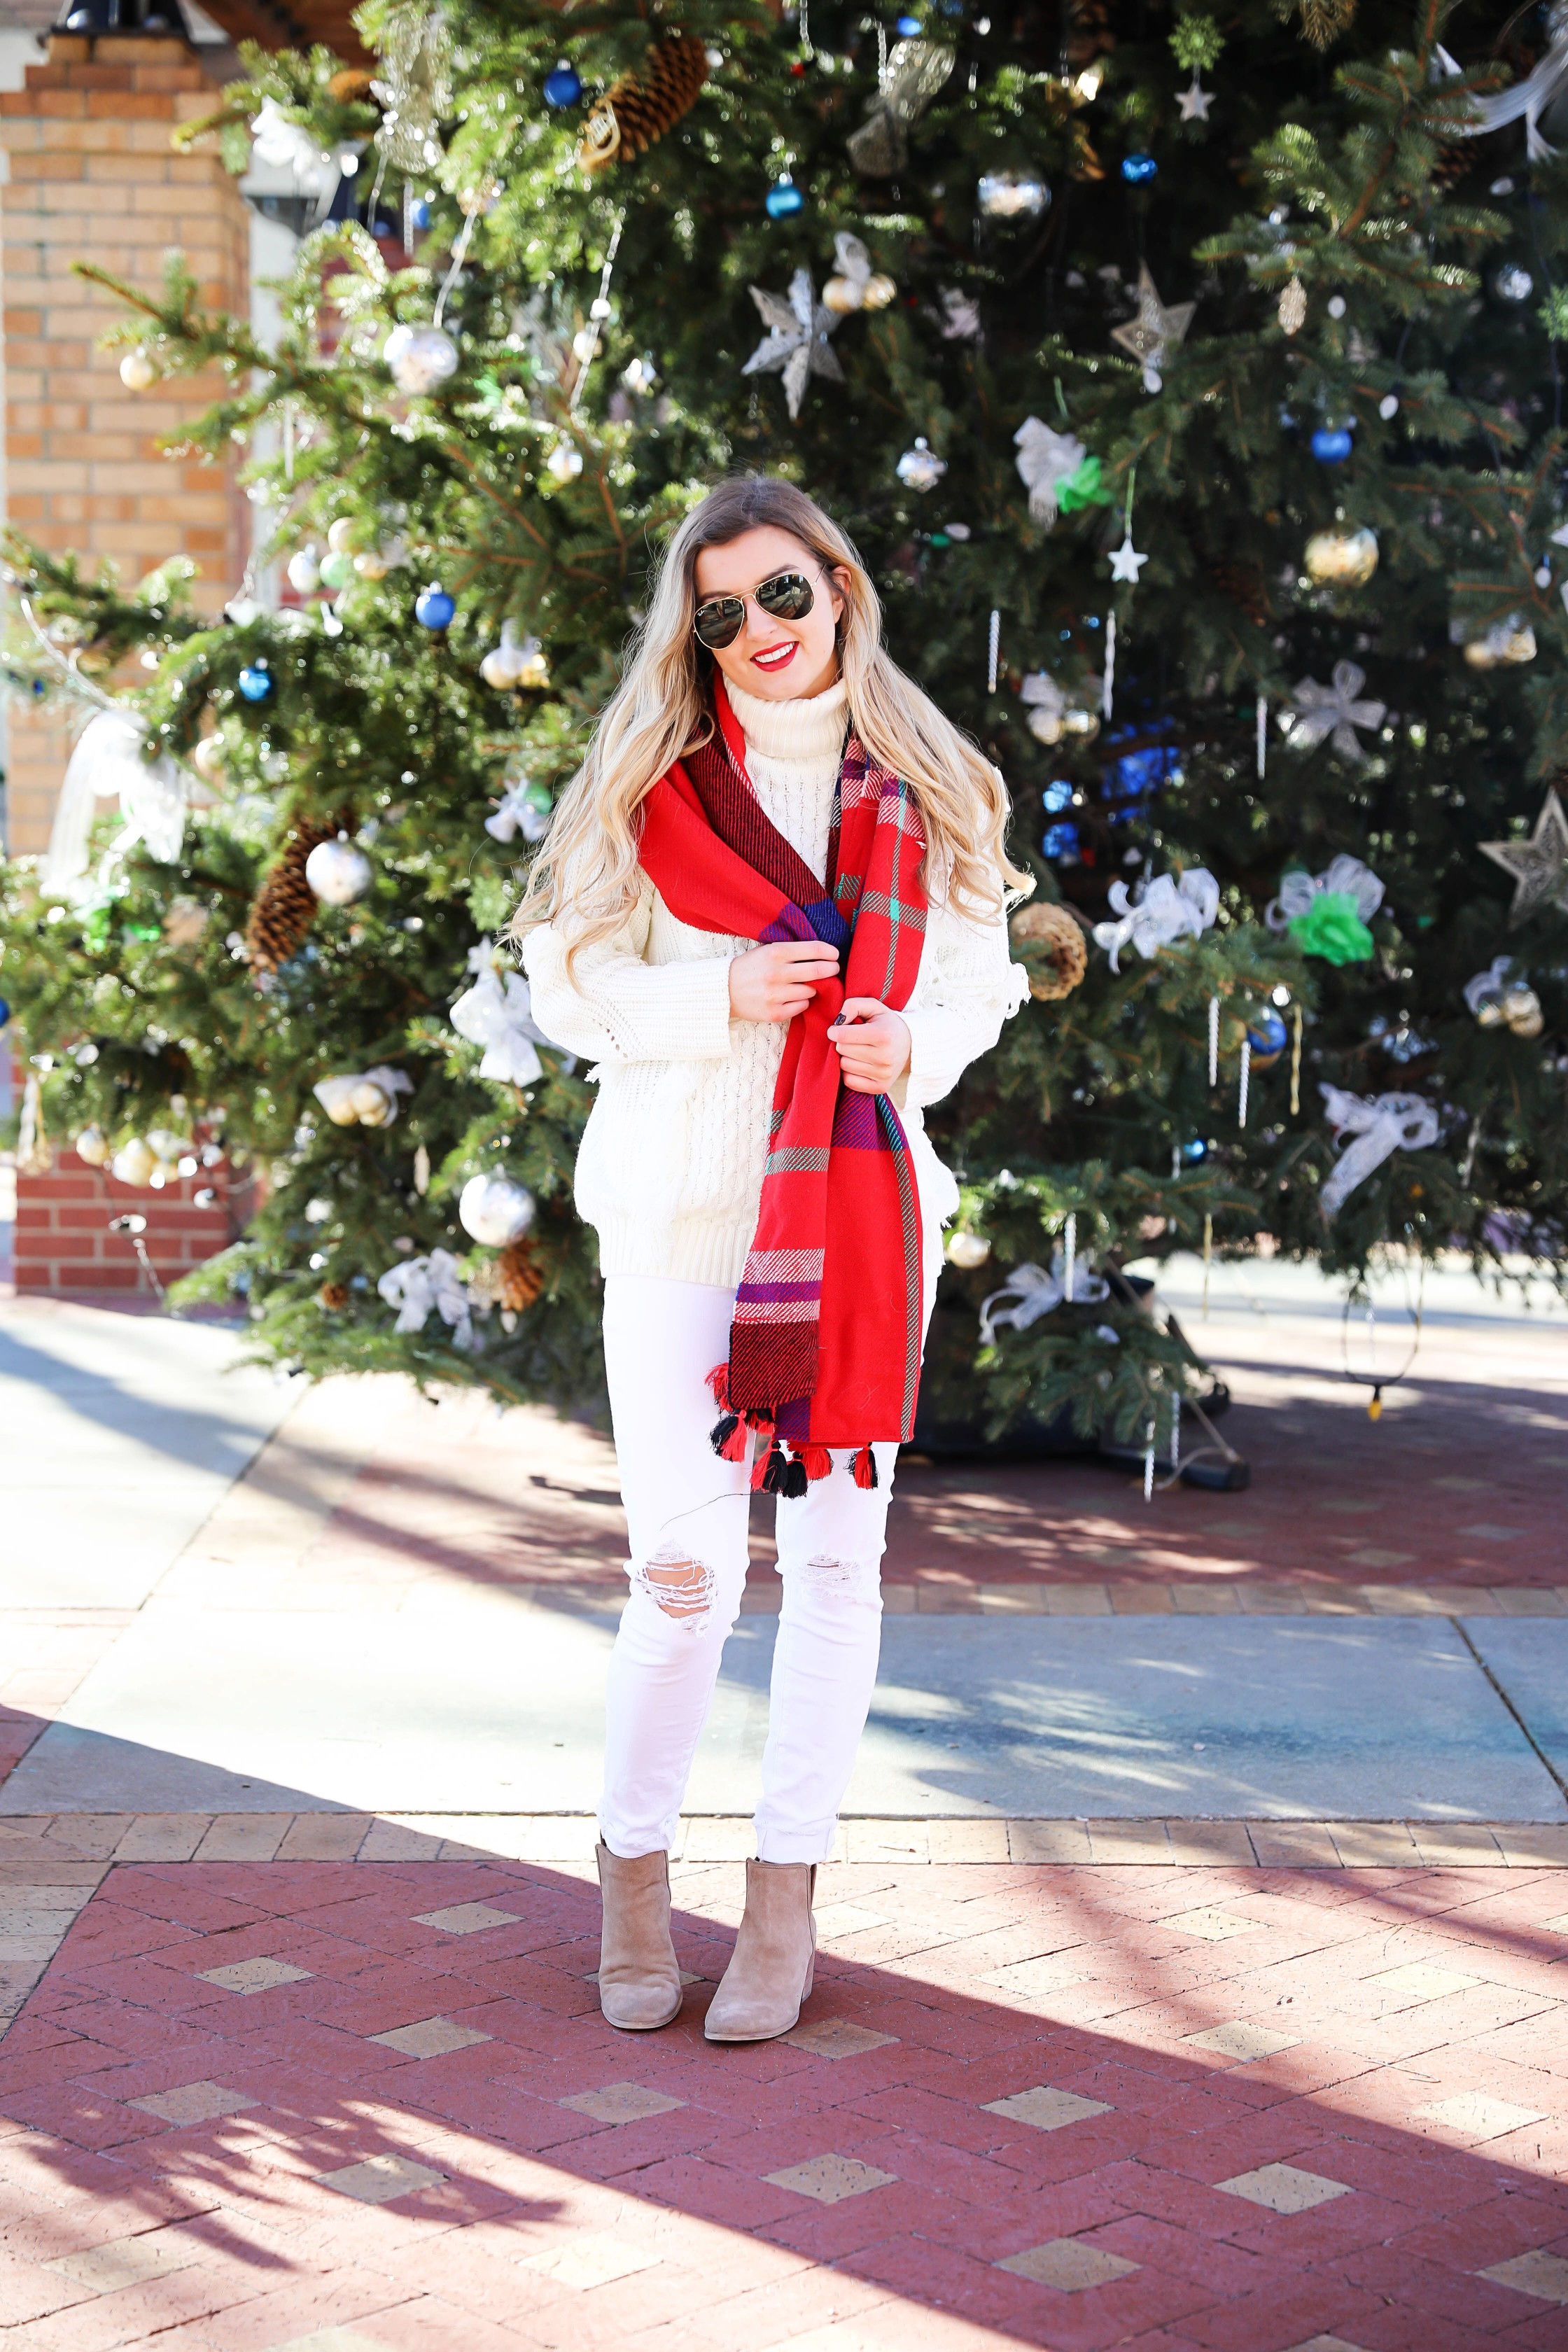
[(1013, 196), (138, 371), (338, 872), (967, 1250), (420, 359), (305, 570), (495, 1209)]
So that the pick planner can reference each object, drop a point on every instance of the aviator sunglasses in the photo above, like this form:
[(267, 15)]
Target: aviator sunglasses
[(787, 596)]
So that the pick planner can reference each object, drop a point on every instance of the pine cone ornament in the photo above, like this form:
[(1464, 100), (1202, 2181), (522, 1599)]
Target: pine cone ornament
[(1052, 939), (519, 1278), (332, 1297), (640, 108), (285, 906)]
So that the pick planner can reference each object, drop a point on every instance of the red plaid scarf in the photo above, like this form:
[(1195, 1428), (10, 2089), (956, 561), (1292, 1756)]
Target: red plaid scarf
[(824, 1349)]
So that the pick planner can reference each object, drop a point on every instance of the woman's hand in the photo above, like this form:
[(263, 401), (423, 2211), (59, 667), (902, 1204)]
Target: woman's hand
[(873, 1045), (774, 983)]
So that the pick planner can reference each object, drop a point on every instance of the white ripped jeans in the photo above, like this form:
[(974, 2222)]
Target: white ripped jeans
[(686, 1523)]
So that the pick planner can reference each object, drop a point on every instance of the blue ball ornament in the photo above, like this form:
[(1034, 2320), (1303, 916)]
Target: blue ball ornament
[(4, 1013), (784, 200), (907, 28), (563, 85), (419, 212), (1332, 445), (255, 682), (1138, 169), (434, 609), (1195, 1150), (1267, 1034)]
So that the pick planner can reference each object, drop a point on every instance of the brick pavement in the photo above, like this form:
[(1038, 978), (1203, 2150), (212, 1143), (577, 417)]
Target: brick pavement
[(357, 2106)]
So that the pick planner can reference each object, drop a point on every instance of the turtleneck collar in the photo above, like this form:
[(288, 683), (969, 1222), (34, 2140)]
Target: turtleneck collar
[(808, 727)]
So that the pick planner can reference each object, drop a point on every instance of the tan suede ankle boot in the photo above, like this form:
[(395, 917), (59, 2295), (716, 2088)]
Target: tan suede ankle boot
[(770, 1975), (639, 1978)]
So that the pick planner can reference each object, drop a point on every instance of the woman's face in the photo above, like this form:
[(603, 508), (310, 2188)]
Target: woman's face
[(781, 661)]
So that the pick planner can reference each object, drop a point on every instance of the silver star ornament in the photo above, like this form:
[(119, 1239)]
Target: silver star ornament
[(1333, 711), (1538, 866), (797, 343), (1126, 562), (1156, 331), (1195, 101)]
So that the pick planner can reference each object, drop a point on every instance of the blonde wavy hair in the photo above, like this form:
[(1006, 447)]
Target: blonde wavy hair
[(585, 877)]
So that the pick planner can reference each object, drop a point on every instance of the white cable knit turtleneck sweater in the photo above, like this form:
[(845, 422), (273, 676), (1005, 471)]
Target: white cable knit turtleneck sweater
[(670, 1172)]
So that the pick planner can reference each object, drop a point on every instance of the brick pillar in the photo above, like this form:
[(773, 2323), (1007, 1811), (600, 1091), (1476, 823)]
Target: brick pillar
[(92, 177)]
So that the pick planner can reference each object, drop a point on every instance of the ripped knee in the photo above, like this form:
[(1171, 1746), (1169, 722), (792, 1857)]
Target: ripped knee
[(844, 1579), (679, 1587)]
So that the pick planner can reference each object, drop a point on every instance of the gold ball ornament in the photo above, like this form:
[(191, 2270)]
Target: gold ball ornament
[(135, 1162), (1510, 641), (967, 1250), (371, 1103), (1520, 1008), (1053, 944), (842, 295), (880, 290), (1341, 559), (93, 1147), (138, 371), (372, 565), (208, 760)]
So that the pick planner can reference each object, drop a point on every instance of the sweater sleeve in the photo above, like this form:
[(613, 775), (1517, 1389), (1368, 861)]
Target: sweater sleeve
[(611, 1006), (968, 986)]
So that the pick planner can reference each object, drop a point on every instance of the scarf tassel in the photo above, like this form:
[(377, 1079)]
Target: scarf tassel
[(865, 1467), (781, 1474), (729, 1438), (818, 1462)]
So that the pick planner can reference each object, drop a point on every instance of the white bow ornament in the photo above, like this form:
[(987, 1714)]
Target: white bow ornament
[(1034, 1293), (423, 1282), (1345, 878), (1165, 911), (1381, 1124), (515, 814), (497, 1014), (1044, 461), (1334, 710), (108, 760)]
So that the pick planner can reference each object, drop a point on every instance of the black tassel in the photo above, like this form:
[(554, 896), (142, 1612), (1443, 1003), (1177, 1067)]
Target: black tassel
[(794, 1479), (776, 1472), (722, 1434)]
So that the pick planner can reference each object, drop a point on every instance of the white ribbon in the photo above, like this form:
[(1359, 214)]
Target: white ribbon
[(1381, 1124), (1347, 878), (423, 1282), (108, 760), (284, 145), (1034, 1293), (515, 813), (497, 1014), (1334, 710), (1164, 911), (1045, 461), (1529, 98)]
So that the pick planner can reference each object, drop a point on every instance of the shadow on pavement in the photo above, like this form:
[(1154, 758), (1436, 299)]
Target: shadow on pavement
[(994, 2125)]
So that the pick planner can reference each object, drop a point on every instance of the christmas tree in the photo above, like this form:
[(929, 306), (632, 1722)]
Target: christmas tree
[(1190, 384)]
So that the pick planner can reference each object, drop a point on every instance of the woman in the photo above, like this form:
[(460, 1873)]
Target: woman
[(772, 908)]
